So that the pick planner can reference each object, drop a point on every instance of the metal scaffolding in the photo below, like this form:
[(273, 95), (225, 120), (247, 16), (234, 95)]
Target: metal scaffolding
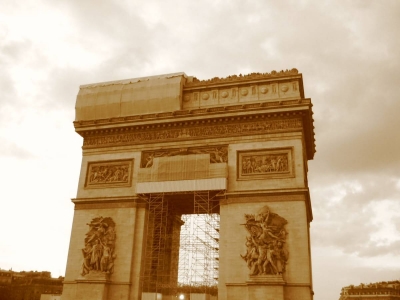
[(198, 261), (195, 250), (154, 263)]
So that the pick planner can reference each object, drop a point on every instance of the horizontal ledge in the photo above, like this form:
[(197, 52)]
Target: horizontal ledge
[(235, 284), (134, 199), (297, 106), (275, 191), (305, 285), (97, 281), (182, 186), (298, 285)]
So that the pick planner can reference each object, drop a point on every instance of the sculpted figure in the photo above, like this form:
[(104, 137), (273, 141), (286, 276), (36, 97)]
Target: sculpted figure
[(149, 162), (105, 258), (100, 230), (93, 176), (98, 254), (220, 155), (86, 259), (265, 247), (269, 261), (97, 251), (262, 254), (251, 255), (281, 257)]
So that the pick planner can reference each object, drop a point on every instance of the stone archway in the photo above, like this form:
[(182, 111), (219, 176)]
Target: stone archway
[(150, 144)]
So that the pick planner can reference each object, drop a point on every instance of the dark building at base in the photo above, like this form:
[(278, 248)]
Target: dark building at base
[(385, 290), (28, 285)]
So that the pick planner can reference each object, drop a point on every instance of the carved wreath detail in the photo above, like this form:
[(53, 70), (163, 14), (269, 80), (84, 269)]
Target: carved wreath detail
[(98, 254), (266, 246)]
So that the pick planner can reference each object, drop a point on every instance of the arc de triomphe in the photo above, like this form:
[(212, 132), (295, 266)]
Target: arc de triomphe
[(156, 148)]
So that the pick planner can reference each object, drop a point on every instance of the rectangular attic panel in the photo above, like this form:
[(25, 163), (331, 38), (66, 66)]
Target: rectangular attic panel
[(84, 104), (152, 96), (108, 101), (182, 173), (130, 97)]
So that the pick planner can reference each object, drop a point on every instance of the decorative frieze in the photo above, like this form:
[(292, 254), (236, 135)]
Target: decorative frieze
[(105, 174), (218, 154), (266, 252), (99, 252), (263, 91), (214, 130), (264, 164)]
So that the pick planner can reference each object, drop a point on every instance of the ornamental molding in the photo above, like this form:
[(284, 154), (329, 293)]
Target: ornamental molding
[(242, 107), (246, 92), (209, 129), (240, 77)]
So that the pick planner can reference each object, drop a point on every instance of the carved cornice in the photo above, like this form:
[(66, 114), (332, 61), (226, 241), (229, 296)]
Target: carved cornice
[(108, 202), (215, 128), (80, 125), (123, 127), (240, 77)]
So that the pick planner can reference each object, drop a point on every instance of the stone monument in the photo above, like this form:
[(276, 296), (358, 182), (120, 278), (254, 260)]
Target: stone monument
[(157, 147)]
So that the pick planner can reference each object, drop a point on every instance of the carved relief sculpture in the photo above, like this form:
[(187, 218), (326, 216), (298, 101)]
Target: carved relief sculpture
[(265, 164), (98, 254), (266, 246), (271, 163), (109, 173)]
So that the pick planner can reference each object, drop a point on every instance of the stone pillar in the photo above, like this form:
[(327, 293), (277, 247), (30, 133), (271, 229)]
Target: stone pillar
[(264, 236), (118, 277)]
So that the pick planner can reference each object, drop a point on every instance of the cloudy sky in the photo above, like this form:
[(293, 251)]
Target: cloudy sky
[(347, 51)]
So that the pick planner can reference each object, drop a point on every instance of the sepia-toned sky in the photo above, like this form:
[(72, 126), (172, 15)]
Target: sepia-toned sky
[(348, 53)]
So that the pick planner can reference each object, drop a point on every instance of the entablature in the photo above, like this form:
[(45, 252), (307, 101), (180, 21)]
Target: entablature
[(238, 125), (257, 103)]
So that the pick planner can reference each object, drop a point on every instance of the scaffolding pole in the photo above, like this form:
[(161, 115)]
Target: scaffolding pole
[(154, 271), (198, 245)]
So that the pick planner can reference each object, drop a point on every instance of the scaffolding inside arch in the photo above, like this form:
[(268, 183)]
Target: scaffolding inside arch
[(199, 245), (185, 262)]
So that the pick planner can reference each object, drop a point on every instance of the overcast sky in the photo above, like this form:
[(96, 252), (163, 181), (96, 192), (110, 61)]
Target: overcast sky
[(347, 51)]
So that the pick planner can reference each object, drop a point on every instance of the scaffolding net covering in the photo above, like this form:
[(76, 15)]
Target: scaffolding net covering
[(182, 173)]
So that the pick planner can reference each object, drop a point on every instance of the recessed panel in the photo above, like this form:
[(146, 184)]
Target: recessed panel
[(112, 173), (265, 164)]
